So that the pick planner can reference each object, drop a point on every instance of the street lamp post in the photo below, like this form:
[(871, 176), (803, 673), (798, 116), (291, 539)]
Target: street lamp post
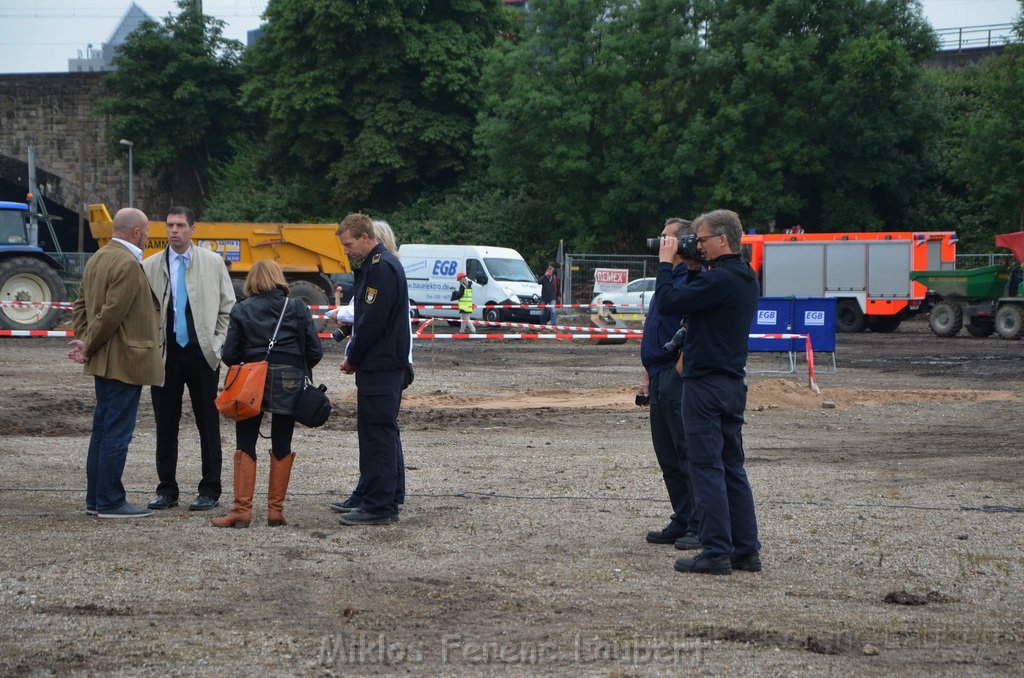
[(131, 173)]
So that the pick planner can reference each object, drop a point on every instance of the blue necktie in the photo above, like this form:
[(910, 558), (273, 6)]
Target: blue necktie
[(180, 300)]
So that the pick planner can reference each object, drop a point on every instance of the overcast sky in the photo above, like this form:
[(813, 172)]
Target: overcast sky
[(39, 36)]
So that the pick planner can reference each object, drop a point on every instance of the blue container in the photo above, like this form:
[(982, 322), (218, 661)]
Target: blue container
[(774, 316), (816, 316)]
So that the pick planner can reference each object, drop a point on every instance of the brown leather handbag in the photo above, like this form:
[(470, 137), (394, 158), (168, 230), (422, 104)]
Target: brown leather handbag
[(242, 397)]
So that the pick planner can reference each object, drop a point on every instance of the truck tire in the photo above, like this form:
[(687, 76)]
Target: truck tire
[(491, 314), (313, 295), (29, 279), (849, 317), (980, 328), (885, 323), (946, 319), (1010, 321)]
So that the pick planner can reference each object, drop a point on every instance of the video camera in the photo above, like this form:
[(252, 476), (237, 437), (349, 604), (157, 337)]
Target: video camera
[(687, 246), (342, 333)]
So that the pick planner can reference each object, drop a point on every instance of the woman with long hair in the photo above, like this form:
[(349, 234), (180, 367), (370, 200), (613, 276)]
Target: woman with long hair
[(296, 350)]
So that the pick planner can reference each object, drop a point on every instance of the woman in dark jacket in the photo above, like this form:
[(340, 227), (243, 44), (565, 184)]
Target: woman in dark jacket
[(296, 350)]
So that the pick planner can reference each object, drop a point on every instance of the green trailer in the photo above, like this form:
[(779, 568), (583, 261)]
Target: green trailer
[(984, 300)]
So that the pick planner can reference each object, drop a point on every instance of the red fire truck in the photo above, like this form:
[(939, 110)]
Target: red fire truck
[(867, 273)]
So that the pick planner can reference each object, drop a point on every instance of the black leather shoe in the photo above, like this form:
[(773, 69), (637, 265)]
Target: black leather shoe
[(361, 517), (665, 536), (702, 564), (162, 502), (688, 542), (203, 504), (748, 562)]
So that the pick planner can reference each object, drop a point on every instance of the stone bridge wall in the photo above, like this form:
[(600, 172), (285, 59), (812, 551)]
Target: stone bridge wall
[(54, 112)]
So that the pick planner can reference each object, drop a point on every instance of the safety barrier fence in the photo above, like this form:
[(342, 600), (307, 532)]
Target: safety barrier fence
[(317, 307), (808, 349), (484, 336), (420, 333)]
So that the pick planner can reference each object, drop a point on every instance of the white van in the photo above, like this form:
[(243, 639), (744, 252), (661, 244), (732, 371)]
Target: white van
[(500, 276)]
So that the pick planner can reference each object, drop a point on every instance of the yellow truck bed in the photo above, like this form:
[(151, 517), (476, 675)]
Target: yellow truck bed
[(298, 248)]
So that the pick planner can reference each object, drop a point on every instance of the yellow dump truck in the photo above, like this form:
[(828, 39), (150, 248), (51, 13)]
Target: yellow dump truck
[(308, 253)]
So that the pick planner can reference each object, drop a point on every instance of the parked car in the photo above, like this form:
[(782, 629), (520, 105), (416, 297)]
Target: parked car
[(635, 293)]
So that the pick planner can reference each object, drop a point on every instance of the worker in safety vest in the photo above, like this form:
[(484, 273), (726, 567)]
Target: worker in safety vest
[(464, 295)]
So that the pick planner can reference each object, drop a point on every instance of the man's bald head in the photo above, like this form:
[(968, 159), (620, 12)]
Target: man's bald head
[(132, 225)]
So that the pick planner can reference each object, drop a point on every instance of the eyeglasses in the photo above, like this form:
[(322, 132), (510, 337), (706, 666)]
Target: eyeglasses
[(701, 239)]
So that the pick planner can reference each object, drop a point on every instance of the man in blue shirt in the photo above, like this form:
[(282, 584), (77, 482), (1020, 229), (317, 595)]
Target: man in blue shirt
[(719, 303), (663, 383)]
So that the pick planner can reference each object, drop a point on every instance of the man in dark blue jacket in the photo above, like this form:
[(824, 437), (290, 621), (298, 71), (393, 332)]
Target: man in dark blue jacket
[(378, 355), (719, 303), (664, 386)]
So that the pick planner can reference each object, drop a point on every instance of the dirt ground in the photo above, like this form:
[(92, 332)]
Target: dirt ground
[(521, 547)]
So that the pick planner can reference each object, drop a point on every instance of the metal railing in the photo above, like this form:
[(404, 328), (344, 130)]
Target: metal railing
[(978, 260), (975, 37)]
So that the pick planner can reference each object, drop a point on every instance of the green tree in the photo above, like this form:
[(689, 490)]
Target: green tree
[(621, 114), (580, 110), (477, 213), (991, 159), (371, 103), (813, 112), (175, 95), (242, 189), (977, 189), (946, 202)]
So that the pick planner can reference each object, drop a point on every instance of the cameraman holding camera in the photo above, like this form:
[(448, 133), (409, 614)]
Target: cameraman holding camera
[(662, 389), (719, 303)]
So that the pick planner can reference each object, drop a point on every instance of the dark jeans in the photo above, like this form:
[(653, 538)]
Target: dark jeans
[(378, 399), (713, 422), (666, 391), (113, 423), (187, 367), (282, 426)]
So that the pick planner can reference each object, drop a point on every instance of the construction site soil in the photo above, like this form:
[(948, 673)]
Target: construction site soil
[(891, 509)]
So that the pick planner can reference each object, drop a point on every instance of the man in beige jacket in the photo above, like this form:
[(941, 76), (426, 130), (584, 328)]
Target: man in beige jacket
[(117, 338), (196, 297)]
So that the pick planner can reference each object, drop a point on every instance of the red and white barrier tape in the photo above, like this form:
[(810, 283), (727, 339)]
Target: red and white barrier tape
[(568, 328), (420, 334), (452, 307), (38, 304), (807, 347), (36, 333), (586, 336), (425, 324), (317, 307)]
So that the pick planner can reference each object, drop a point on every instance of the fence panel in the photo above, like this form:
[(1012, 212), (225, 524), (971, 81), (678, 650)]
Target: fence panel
[(578, 272)]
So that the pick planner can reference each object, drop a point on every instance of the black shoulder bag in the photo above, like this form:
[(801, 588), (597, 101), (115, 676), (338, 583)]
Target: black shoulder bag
[(313, 406)]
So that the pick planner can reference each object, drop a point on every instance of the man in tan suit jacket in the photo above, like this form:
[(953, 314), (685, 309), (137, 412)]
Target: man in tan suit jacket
[(196, 297), (117, 338)]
